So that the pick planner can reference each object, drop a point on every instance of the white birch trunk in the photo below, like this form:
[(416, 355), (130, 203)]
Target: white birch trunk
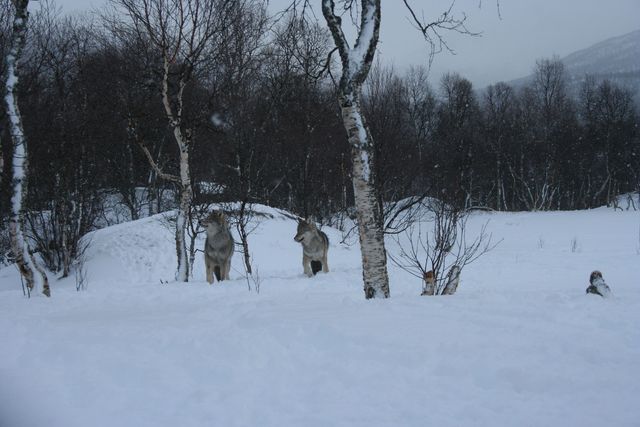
[(374, 255), (33, 274), (182, 273), (429, 286), (356, 63), (453, 280), (183, 141)]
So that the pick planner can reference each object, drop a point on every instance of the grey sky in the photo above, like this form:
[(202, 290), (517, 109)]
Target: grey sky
[(508, 47)]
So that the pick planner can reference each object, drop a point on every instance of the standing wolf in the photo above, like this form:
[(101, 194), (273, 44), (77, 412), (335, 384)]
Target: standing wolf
[(218, 246), (315, 245)]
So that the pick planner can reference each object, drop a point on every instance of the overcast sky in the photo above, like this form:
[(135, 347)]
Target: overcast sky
[(511, 41)]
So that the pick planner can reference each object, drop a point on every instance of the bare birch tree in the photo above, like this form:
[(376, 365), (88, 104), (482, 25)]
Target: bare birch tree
[(33, 274), (356, 62), (181, 32)]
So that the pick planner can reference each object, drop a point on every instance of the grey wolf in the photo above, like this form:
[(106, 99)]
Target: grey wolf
[(598, 285), (315, 245), (218, 246)]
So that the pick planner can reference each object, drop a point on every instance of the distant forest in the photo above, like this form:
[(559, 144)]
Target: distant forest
[(261, 114)]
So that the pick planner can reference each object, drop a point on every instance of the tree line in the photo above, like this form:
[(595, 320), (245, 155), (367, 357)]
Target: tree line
[(253, 100)]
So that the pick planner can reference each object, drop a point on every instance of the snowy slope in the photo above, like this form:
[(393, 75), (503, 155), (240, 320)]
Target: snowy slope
[(519, 345), (611, 56), (616, 59)]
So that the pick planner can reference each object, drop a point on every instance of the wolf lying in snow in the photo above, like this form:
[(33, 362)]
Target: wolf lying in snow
[(315, 245), (598, 285), (218, 246)]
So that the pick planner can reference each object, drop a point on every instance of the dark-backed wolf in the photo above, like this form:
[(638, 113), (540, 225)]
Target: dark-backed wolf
[(315, 245), (218, 246), (597, 285)]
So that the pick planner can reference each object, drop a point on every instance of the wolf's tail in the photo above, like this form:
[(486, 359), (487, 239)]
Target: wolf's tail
[(216, 271)]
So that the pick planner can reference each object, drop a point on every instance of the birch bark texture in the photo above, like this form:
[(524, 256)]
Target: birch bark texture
[(356, 63), (33, 274)]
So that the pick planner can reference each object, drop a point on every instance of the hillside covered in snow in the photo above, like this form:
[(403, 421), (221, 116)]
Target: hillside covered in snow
[(519, 344), (616, 59)]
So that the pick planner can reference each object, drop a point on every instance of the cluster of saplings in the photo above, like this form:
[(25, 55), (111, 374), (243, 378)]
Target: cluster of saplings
[(256, 106)]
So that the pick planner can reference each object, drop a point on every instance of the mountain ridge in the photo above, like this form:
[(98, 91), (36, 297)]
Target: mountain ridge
[(616, 59)]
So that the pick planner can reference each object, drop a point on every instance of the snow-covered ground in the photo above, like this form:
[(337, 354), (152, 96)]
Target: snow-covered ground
[(520, 344)]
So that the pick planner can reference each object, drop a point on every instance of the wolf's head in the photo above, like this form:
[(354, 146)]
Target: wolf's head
[(214, 222), (596, 276), (305, 230)]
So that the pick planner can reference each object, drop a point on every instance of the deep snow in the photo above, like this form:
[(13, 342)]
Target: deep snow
[(520, 344)]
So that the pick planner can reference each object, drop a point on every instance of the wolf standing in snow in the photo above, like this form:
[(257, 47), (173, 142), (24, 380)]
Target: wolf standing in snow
[(218, 246), (598, 285), (315, 245)]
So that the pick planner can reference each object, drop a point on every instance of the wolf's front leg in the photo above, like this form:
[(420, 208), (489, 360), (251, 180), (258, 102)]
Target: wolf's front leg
[(306, 264), (209, 272), (227, 268), (325, 265)]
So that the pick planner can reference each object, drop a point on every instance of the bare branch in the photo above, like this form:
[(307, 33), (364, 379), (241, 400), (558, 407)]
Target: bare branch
[(432, 31), (442, 254), (152, 162)]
